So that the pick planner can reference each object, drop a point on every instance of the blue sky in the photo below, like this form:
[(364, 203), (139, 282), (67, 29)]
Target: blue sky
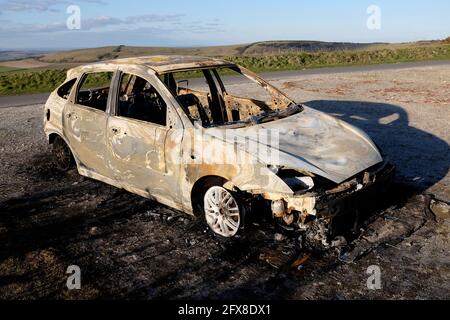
[(184, 23)]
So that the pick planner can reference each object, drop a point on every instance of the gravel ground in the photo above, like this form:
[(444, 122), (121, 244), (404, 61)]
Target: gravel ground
[(130, 247)]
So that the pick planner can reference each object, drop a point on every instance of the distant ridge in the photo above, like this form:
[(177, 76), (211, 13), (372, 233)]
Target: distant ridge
[(257, 48), (251, 49)]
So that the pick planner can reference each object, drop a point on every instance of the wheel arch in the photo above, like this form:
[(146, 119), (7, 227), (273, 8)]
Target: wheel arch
[(52, 137), (200, 187)]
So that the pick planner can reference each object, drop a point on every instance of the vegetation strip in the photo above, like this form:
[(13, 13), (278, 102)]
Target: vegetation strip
[(34, 81)]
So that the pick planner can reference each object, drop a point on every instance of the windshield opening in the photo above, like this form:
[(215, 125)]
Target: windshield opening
[(227, 96)]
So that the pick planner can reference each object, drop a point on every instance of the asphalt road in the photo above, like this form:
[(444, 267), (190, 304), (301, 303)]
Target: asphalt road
[(40, 98), (23, 100)]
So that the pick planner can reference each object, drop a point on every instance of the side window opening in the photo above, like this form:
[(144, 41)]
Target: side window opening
[(225, 96), (65, 90), (197, 93), (139, 100), (94, 90)]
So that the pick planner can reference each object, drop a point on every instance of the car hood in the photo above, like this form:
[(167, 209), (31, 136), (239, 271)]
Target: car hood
[(315, 142)]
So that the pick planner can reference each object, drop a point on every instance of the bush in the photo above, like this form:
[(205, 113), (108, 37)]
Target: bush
[(30, 81), (302, 60)]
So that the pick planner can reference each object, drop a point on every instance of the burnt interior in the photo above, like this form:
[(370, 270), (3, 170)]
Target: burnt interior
[(93, 90), (139, 100), (213, 104)]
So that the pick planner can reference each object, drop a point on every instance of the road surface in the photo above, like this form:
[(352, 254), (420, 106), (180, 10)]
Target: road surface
[(39, 98)]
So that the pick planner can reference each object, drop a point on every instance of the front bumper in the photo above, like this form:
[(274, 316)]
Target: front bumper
[(328, 204), (371, 181)]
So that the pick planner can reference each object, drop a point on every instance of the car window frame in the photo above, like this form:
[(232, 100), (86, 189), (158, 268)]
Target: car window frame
[(79, 83), (208, 69), (250, 75), (115, 98), (74, 85)]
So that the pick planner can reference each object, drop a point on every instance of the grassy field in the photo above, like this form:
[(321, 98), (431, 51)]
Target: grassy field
[(252, 49), (7, 69), (107, 53), (13, 82), (257, 48), (305, 60)]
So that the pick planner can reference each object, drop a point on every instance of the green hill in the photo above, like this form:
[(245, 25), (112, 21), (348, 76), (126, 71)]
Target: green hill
[(49, 69), (257, 48)]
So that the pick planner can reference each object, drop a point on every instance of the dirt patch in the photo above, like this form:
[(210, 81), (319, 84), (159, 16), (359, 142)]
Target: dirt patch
[(25, 64)]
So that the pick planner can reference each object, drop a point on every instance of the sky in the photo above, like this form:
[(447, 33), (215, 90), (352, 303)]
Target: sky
[(42, 24)]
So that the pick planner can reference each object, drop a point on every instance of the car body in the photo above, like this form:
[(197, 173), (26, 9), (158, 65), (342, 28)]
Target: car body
[(130, 123)]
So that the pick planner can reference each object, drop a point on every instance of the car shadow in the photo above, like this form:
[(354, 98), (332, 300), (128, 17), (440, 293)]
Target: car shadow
[(422, 159)]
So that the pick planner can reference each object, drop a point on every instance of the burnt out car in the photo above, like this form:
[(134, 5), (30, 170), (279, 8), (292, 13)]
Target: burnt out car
[(210, 138)]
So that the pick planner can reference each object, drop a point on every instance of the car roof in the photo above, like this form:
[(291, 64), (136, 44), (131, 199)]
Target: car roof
[(163, 64)]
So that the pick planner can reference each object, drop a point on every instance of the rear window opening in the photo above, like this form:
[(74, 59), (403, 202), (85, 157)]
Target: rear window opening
[(65, 90)]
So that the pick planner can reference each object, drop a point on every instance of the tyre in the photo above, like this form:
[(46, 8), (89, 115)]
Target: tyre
[(224, 212), (63, 157)]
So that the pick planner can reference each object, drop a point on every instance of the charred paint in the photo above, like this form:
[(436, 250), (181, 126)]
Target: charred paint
[(159, 162)]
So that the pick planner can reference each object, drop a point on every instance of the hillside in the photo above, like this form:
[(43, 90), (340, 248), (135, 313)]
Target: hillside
[(7, 55), (67, 59), (257, 48), (43, 74), (106, 53), (253, 49)]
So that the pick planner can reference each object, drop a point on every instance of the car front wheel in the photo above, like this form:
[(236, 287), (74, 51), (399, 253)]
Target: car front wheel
[(223, 213)]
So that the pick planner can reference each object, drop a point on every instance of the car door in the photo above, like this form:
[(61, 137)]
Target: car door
[(143, 140), (85, 121)]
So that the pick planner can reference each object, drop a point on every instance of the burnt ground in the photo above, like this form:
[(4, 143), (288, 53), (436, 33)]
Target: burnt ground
[(130, 247)]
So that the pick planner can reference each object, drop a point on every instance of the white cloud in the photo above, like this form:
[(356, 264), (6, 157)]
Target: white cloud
[(40, 5), (103, 23)]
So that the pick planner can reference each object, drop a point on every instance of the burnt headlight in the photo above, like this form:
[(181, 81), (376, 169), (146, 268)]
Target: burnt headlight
[(297, 184)]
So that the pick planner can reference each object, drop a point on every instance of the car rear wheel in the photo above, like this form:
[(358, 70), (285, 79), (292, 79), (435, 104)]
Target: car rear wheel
[(223, 212), (62, 155)]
